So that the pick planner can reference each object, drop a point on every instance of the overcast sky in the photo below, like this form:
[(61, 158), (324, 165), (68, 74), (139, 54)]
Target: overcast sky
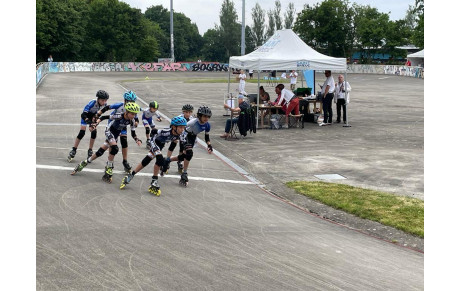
[(205, 13)]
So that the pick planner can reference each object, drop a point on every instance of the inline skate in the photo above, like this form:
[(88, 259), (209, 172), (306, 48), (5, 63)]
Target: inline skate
[(164, 169), (155, 187), (127, 167), (71, 155), (79, 167), (180, 167), (183, 179), (90, 153), (108, 174), (126, 180)]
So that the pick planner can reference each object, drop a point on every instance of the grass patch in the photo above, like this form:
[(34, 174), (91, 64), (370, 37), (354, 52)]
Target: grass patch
[(232, 80), (400, 212)]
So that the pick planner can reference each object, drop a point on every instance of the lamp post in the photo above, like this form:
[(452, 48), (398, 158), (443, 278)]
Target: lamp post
[(171, 30), (243, 34)]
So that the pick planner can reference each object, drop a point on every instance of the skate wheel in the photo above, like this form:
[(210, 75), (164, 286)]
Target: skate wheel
[(73, 173), (122, 186), (69, 159)]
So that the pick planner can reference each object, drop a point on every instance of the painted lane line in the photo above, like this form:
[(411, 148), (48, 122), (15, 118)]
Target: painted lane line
[(49, 167), (57, 124)]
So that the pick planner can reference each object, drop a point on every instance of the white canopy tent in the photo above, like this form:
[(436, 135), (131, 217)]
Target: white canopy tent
[(417, 58), (285, 51)]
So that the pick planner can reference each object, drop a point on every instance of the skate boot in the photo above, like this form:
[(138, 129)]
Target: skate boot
[(90, 153), (108, 174), (184, 179), (180, 167), (126, 180), (147, 144), (164, 169), (79, 167), (155, 187), (127, 167), (71, 155)]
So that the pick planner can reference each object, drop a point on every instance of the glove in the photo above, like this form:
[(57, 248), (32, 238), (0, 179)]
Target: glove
[(209, 148)]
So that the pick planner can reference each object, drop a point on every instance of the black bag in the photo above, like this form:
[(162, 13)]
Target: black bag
[(309, 117)]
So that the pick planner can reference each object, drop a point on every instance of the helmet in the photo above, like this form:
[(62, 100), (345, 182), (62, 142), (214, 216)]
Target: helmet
[(130, 96), (132, 107), (187, 107), (154, 104), (101, 94), (204, 110), (178, 120)]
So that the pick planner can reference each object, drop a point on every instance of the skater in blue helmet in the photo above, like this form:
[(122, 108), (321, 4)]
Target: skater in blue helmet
[(158, 139)]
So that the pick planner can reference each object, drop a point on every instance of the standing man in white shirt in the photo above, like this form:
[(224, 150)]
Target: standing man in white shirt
[(293, 76), (327, 90), (342, 98), (242, 78)]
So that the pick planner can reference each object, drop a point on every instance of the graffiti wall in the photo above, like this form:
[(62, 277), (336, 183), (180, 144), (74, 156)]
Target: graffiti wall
[(64, 67)]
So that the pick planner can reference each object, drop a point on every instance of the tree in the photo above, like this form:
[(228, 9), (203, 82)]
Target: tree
[(289, 16), (229, 28), (258, 19), (212, 49), (326, 27), (277, 15), (249, 40), (418, 37), (270, 30)]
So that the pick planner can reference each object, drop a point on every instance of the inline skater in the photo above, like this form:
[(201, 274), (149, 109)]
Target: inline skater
[(158, 139), (194, 127), (147, 115), (129, 96), (87, 118), (117, 122), (187, 111)]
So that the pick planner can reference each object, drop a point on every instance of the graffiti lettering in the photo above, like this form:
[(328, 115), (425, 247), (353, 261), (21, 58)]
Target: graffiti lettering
[(209, 67)]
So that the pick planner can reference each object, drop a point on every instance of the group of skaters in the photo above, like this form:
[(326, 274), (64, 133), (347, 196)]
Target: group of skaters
[(183, 129)]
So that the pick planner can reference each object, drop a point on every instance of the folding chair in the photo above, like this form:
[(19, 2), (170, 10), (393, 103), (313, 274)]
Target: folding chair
[(233, 128), (294, 120)]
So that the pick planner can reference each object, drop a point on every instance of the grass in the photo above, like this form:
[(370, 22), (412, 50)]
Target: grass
[(400, 212), (198, 80)]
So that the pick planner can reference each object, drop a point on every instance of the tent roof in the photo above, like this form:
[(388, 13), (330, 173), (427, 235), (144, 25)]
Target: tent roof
[(419, 54), (286, 51)]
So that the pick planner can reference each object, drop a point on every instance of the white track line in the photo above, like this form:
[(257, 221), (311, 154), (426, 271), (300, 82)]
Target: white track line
[(48, 167)]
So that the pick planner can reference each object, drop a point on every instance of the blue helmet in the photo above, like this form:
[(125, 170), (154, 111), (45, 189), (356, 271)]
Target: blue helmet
[(130, 96), (178, 120)]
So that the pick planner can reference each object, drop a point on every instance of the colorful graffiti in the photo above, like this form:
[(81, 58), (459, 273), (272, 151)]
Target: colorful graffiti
[(63, 67)]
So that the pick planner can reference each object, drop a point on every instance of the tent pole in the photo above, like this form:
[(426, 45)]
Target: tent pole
[(258, 95), (346, 105), (301, 78)]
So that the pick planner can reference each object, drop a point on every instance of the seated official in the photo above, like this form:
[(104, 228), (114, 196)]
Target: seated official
[(263, 95), (242, 105)]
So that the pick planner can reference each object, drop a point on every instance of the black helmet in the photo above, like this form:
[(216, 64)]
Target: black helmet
[(187, 107), (204, 110), (101, 94), (154, 104)]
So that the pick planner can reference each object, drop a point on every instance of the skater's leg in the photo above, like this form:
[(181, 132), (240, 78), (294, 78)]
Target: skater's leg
[(80, 136)]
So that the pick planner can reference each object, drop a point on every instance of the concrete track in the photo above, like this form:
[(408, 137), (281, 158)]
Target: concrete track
[(223, 232)]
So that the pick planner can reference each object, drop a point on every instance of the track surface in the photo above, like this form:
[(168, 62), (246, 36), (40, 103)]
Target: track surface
[(214, 235)]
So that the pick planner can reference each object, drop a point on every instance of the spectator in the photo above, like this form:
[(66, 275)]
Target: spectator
[(293, 76), (288, 100), (408, 63), (242, 105), (251, 72), (50, 58), (242, 78), (263, 95), (342, 98), (328, 92)]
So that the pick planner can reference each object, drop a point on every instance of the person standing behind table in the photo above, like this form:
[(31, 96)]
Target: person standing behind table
[(242, 78), (292, 102), (327, 90), (342, 98), (293, 76)]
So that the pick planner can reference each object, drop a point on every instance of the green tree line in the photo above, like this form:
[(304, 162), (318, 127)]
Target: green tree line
[(112, 31)]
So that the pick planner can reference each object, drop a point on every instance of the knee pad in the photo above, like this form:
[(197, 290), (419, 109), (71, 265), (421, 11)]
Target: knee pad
[(181, 157), (124, 141), (114, 150), (94, 134), (146, 161), (188, 154), (147, 130), (100, 152), (159, 160), (81, 134)]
